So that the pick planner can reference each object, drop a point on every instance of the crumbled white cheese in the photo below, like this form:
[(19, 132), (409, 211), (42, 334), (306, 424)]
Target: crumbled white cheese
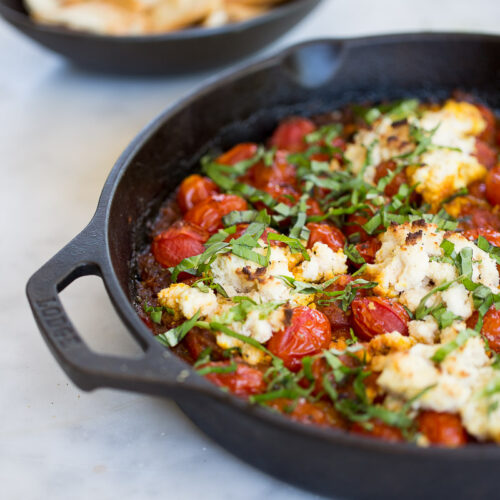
[(186, 300), (323, 265), (424, 331), (406, 267)]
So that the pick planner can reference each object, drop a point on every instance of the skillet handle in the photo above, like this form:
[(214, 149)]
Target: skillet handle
[(151, 373)]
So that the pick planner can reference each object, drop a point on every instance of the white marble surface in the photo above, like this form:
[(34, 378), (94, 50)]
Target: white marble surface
[(60, 132)]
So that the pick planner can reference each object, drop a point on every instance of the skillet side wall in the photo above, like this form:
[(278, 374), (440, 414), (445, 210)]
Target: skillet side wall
[(309, 79)]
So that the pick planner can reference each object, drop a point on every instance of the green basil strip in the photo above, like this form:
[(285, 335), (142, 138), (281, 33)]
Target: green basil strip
[(463, 336), (173, 336)]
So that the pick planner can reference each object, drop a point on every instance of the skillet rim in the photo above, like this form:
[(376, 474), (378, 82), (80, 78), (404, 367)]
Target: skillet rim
[(125, 309), (195, 33)]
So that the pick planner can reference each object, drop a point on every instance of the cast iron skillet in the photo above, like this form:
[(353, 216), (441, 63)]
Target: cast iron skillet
[(305, 79), (177, 52)]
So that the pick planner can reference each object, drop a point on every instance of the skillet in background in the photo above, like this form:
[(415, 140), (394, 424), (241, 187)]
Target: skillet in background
[(309, 78)]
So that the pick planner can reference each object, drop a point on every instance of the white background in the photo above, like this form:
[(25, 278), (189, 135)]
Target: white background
[(60, 133)]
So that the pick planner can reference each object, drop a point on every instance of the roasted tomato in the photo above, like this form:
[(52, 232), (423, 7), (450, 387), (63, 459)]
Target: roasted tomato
[(181, 241), (374, 316), (474, 213), (320, 413), (384, 169), (241, 152), (194, 189), (340, 321), (209, 212), (493, 186), (488, 134), (485, 154), (197, 340), (284, 193), (443, 429), (492, 236), (308, 333), (353, 226), (478, 189), (379, 430), (280, 172), (491, 327), (240, 229), (244, 382), (327, 234), (290, 134), (368, 249)]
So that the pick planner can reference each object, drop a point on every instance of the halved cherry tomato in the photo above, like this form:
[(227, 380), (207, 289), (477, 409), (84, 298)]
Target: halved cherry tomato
[(280, 172), (194, 189), (320, 413), (444, 429), (485, 154), (384, 169), (240, 152), (374, 316), (379, 430), (340, 321), (492, 236), (209, 212), (241, 228), (327, 234), (475, 213), (493, 186), (179, 242), (290, 134), (353, 226), (308, 333), (488, 134), (478, 189), (491, 327), (198, 339), (368, 249), (244, 382)]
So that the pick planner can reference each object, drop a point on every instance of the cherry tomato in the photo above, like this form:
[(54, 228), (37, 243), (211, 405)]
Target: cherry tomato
[(197, 340), (353, 226), (379, 430), (241, 228), (374, 316), (179, 242), (320, 413), (384, 169), (491, 327), (488, 134), (368, 249), (244, 382), (194, 189), (492, 236), (475, 213), (478, 189), (241, 152), (209, 212), (340, 321), (290, 134), (443, 429), (308, 333), (327, 234), (284, 193), (485, 154), (493, 186), (280, 172)]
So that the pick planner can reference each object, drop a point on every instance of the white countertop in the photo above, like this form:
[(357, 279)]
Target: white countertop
[(60, 133)]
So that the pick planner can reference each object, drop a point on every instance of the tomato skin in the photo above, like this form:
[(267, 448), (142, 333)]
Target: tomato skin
[(353, 226), (340, 321), (197, 340), (290, 134), (280, 172), (194, 189), (240, 152), (180, 241), (380, 430), (443, 429), (493, 186), (374, 316), (243, 382), (327, 234), (241, 228), (367, 249), (308, 333), (485, 154), (209, 212), (478, 190), (385, 168), (488, 134), (285, 193), (491, 235), (491, 327), (319, 413)]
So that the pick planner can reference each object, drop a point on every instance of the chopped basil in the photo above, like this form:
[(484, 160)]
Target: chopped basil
[(462, 337), (231, 368), (173, 336)]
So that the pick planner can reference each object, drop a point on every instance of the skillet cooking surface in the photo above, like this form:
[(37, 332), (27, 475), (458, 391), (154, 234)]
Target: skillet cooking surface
[(307, 79)]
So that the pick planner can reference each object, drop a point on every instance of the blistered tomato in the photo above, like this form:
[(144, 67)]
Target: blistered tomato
[(443, 429), (194, 189), (327, 234), (290, 134), (241, 152)]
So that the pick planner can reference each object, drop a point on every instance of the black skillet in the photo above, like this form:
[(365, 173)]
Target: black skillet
[(307, 79), (177, 52)]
